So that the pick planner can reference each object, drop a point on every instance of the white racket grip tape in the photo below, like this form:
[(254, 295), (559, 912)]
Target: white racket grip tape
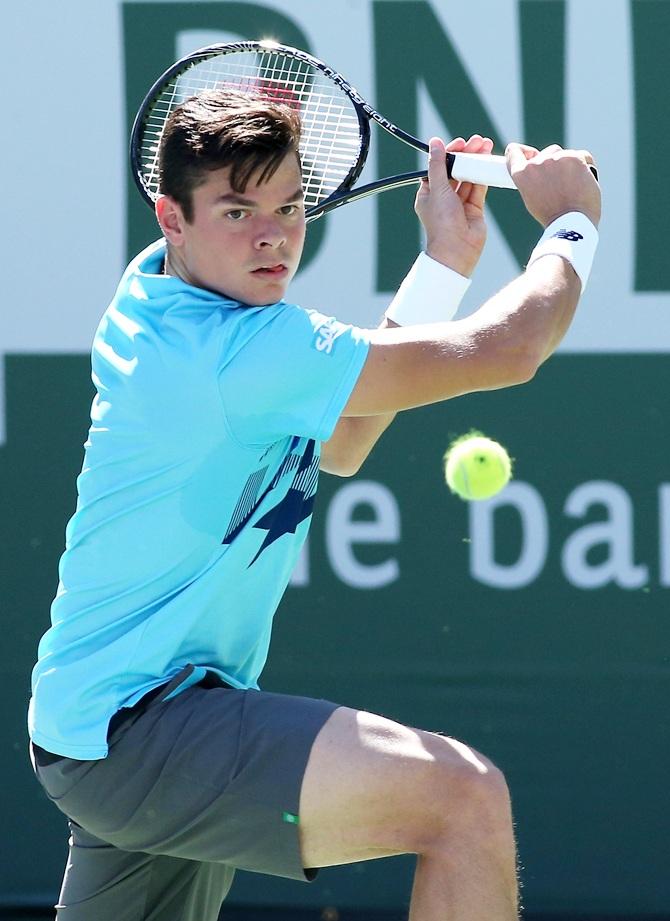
[(430, 293), (573, 237), (484, 169)]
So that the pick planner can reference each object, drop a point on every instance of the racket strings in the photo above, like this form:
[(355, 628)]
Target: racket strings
[(330, 140)]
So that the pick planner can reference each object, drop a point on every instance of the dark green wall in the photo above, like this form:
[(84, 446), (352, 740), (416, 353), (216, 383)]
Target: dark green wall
[(565, 688)]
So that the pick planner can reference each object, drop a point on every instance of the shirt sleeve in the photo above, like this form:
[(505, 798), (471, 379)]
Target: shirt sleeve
[(289, 371)]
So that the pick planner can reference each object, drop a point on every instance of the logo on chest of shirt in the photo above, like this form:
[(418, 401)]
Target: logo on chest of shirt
[(295, 506)]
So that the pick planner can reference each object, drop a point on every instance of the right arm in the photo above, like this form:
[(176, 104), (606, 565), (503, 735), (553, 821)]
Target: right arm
[(507, 339)]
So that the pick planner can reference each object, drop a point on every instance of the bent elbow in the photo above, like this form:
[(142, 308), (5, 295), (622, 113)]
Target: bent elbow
[(342, 466), (517, 367), (350, 468), (526, 368), (347, 471)]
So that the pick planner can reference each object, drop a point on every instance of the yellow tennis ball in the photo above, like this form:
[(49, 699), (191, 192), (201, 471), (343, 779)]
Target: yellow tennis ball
[(476, 467)]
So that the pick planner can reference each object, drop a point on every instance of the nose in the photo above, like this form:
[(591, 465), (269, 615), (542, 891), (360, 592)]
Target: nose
[(270, 235)]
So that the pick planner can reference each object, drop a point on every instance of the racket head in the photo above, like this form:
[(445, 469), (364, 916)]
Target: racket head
[(335, 134)]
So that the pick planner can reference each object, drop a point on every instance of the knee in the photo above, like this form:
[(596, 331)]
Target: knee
[(471, 796)]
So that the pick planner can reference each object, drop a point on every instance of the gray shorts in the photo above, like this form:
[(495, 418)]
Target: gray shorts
[(192, 788)]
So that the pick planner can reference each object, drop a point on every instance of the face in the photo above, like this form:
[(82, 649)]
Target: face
[(247, 245)]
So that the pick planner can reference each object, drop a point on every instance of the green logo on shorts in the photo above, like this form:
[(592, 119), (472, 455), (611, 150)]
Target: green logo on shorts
[(290, 818)]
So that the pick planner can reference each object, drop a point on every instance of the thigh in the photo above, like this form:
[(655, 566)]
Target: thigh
[(105, 883), (212, 775), (375, 788)]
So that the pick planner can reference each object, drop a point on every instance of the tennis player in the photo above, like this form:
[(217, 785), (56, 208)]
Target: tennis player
[(218, 402)]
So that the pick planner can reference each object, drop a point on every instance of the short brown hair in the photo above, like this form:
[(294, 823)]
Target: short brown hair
[(219, 128)]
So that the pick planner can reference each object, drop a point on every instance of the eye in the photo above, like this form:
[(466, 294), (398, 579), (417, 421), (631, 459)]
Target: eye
[(289, 210), (237, 214)]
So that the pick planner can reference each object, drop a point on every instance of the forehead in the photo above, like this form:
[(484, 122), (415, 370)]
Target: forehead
[(283, 183)]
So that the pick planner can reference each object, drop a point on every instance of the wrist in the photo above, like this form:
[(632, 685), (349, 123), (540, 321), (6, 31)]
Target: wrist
[(430, 293), (459, 259), (590, 215), (573, 237)]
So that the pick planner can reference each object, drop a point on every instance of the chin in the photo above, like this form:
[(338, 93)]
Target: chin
[(245, 297), (254, 296), (271, 296)]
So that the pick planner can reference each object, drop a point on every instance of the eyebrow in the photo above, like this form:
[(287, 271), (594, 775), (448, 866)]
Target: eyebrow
[(234, 199)]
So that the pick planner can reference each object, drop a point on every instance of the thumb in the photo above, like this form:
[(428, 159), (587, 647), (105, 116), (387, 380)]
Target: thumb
[(438, 179), (516, 156)]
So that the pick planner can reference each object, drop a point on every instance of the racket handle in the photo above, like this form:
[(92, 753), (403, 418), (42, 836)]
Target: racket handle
[(484, 169)]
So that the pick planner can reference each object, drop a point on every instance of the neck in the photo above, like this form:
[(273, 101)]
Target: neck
[(172, 266)]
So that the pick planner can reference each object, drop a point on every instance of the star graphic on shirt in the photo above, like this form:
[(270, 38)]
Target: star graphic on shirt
[(284, 518), (294, 508)]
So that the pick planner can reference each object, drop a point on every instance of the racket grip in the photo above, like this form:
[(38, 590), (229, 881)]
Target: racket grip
[(484, 169)]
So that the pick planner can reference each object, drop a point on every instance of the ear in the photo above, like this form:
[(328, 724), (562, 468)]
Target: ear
[(171, 219)]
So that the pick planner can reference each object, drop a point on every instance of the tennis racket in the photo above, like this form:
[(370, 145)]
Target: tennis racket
[(335, 122)]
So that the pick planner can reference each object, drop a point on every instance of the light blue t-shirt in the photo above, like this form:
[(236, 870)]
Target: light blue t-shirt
[(194, 499)]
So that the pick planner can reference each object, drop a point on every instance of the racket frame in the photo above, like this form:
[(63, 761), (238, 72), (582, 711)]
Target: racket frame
[(364, 112)]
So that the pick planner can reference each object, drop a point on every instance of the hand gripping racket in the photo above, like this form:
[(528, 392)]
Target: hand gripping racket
[(335, 122)]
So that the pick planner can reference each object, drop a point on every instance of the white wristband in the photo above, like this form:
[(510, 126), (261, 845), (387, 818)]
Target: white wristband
[(430, 293), (573, 237)]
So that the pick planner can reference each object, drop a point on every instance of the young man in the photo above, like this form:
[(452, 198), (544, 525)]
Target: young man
[(217, 402)]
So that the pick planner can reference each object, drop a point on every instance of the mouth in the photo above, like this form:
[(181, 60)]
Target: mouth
[(271, 271)]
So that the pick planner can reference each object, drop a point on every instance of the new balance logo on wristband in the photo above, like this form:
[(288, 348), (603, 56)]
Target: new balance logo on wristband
[(571, 235), (557, 241)]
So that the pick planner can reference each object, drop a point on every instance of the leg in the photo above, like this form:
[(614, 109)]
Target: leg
[(102, 881), (191, 788), (374, 788)]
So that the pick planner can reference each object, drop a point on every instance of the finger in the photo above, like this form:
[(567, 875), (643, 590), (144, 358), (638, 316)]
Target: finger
[(518, 154), (473, 194), (473, 143), (422, 191), (528, 151), (464, 190), (478, 144), (587, 157), (456, 146), (551, 149)]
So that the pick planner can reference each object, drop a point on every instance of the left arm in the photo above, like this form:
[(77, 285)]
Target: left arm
[(355, 436)]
